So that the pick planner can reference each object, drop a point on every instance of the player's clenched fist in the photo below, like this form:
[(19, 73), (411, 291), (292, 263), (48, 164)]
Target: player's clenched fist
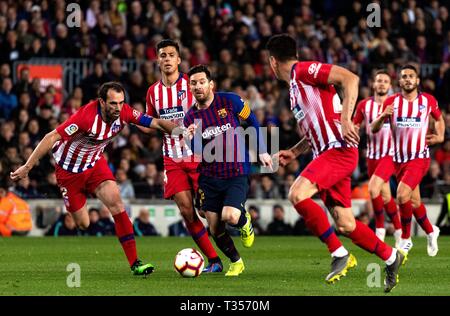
[(388, 111)]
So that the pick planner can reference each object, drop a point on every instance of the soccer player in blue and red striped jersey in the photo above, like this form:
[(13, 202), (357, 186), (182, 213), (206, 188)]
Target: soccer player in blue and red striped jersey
[(225, 165)]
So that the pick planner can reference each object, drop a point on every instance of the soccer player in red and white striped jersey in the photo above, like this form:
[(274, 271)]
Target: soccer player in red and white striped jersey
[(170, 99), (327, 126), (81, 169), (380, 165), (408, 113)]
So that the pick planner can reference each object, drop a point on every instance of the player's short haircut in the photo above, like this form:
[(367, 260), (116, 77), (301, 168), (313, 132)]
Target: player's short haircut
[(409, 66), (167, 43), (200, 68), (382, 72), (112, 85), (283, 47)]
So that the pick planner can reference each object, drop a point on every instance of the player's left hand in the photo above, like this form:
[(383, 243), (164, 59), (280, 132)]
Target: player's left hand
[(20, 173), (349, 132), (433, 139), (266, 161)]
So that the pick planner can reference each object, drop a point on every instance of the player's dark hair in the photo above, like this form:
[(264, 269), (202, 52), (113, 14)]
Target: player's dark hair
[(200, 68), (381, 72), (409, 66), (112, 85), (167, 43), (283, 47)]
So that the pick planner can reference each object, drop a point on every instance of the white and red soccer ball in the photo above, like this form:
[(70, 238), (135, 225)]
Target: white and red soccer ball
[(189, 263)]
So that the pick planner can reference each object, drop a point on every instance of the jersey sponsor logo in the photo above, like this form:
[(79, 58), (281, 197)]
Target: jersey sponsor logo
[(172, 113), (314, 69), (181, 95), (222, 113), (215, 131), (408, 122), (71, 129)]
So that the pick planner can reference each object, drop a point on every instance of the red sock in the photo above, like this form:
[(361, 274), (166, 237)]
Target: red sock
[(406, 211), (317, 222), (420, 214), (365, 238), (200, 236), (392, 212), (377, 204), (124, 231)]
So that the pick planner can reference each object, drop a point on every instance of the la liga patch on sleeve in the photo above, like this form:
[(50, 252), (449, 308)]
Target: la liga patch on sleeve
[(71, 129)]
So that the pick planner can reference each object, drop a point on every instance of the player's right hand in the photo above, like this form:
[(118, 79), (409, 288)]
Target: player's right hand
[(20, 173), (388, 111), (284, 157), (350, 133)]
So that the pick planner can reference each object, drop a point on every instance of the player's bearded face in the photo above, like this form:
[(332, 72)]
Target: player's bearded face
[(200, 86), (168, 60), (408, 80), (113, 105), (382, 84)]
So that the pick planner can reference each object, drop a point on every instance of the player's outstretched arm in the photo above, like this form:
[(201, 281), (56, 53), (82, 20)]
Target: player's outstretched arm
[(438, 137), (376, 125), (349, 82), (286, 156), (163, 125), (42, 148)]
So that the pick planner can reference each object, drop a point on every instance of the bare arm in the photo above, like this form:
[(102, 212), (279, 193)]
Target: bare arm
[(164, 125), (286, 156), (376, 125), (302, 147), (437, 138), (42, 149), (348, 81)]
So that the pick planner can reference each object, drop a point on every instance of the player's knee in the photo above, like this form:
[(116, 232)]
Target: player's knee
[(296, 195), (188, 214), (403, 196), (83, 224), (346, 227), (374, 191)]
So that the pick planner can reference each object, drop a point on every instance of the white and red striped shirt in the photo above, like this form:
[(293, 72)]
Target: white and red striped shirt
[(85, 135), (316, 106), (171, 103), (378, 144), (409, 124)]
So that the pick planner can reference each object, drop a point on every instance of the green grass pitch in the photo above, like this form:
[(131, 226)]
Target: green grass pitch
[(274, 266)]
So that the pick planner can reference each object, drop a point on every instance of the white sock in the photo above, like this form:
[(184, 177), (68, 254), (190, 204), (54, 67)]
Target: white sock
[(392, 257), (340, 252)]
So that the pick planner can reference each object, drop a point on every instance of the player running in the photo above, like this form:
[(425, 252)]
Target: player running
[(327, 127), (223, 181), (408, 113), (77, 147), (169, 99), (380, 165)]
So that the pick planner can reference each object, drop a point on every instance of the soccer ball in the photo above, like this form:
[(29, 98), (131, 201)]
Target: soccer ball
[(189, 263)]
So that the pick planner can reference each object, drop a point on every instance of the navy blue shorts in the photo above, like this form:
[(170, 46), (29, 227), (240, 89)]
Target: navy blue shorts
[(215, 193)]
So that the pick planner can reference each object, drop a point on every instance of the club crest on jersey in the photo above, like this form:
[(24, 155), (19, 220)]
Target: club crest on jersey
[(222, 113), (181, 94), (71, 129), (421, 108), (115, 127)]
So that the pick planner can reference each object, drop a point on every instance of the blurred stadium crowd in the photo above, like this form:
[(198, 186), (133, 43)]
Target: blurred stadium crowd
[(229, 36)]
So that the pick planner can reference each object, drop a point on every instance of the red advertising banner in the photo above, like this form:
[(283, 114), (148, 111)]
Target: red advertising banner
[(48, 75)]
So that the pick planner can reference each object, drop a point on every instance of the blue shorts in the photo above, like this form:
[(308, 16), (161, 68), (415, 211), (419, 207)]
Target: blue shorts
[(215, 193)]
